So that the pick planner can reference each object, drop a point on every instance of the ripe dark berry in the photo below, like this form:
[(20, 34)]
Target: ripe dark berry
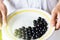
[(28, 33), (35, 23), (24, 32)]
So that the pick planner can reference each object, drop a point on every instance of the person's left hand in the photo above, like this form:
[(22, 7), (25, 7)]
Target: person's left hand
[(55, 21), (3, 14)]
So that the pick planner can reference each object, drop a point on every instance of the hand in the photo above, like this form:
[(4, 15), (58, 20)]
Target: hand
[(3, 13), (55, 21)]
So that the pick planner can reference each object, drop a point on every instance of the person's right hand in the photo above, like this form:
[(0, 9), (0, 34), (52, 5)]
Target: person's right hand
[(3, 13), (55, 21)]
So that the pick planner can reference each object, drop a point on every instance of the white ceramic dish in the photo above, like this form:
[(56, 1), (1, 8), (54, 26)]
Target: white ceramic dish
[(25, 17)]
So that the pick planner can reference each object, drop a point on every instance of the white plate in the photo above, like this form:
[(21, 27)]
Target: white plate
[(24, 17)]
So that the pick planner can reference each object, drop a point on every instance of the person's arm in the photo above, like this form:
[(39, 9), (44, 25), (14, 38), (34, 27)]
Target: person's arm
[(3, 13), (55, 21)]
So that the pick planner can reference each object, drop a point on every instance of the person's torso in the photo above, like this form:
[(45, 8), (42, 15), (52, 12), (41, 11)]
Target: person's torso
[(29, 3), (37, 4)]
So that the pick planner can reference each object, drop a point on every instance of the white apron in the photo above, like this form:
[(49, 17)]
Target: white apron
[(46, 5)]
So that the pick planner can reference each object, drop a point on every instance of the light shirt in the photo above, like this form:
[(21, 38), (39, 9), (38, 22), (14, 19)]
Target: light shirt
[(46, 5)]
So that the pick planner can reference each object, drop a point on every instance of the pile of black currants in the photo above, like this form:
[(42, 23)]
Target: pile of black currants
[(39, 29)]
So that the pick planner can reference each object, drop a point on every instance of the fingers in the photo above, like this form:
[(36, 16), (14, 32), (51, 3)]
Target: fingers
[(58, 21), (4, 13), (53, 19), (57, 26)]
